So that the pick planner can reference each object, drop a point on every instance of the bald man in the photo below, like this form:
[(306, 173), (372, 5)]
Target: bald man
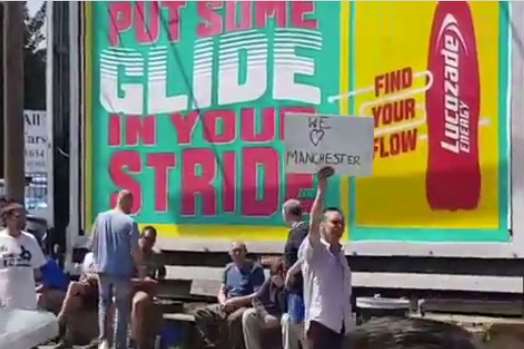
[(116, 255), (220, 325), (293, 319)]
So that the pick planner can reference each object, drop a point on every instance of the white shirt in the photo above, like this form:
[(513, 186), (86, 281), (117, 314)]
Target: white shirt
[(18, 259), (327, 286), (88, 265)]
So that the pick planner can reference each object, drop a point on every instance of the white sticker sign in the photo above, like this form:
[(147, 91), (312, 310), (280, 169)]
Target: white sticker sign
[(316, 141), (36, 140)]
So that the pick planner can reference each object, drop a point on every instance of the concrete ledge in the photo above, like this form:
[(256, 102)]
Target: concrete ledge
[(179, 317)]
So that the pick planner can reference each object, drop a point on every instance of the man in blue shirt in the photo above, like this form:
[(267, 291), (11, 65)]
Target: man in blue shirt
[(116, 254), (220, 325)]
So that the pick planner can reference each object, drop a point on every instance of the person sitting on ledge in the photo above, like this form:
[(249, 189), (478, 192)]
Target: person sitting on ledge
[(220, 325)]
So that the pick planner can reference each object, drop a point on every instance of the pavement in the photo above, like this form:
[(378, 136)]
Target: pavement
[(489, 332)]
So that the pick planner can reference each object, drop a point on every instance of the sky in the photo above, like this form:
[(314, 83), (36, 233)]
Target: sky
[(33, 6)]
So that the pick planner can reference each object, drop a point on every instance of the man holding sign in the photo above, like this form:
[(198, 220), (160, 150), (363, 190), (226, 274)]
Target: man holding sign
[(327, 277)]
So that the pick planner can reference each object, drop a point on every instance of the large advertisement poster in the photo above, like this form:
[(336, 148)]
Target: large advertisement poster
[(436, 83), (188, 104), (185, 103)]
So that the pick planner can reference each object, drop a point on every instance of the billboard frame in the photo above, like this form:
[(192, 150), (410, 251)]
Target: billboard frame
[(508, 250)]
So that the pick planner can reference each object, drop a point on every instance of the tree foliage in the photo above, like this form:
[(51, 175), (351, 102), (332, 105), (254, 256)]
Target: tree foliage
[(35, 59)]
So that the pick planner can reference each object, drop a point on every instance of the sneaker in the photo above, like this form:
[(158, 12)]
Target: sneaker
[(103, 345), (92, 345), (207, 344), (62, 344)]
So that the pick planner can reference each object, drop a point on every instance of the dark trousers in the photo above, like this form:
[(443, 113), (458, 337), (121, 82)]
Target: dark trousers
[(321, 337)]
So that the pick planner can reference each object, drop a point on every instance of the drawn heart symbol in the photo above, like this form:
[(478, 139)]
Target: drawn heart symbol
[(316, 136)]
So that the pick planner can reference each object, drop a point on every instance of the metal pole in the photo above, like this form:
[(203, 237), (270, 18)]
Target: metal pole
[(2, 87), (49, 75), (13, 65), (73, 232)]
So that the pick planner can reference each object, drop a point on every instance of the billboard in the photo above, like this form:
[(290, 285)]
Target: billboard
[(186, 104), (440, 103)]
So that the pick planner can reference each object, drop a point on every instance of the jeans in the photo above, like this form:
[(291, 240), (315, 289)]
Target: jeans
[(295, 307), (120, 288)]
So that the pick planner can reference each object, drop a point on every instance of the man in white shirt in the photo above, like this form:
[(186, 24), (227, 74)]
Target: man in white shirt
[(20, 257), (327, 277)]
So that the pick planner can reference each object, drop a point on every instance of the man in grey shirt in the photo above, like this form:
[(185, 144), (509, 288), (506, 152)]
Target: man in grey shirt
[(116, 255)]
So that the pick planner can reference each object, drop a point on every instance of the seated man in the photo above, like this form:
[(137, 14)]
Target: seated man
[(269, 305), (83, 295), (80, 296), (220, 325), (146, 318)]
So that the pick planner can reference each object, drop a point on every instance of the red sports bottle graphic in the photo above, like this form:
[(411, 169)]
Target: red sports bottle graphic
[(452, 107)]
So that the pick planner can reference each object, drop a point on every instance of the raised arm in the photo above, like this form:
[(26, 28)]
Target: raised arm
[(318, 205), (93, 243)]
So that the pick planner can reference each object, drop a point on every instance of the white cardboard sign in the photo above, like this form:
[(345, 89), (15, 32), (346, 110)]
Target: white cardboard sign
[(36, 141), (316, 141)]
